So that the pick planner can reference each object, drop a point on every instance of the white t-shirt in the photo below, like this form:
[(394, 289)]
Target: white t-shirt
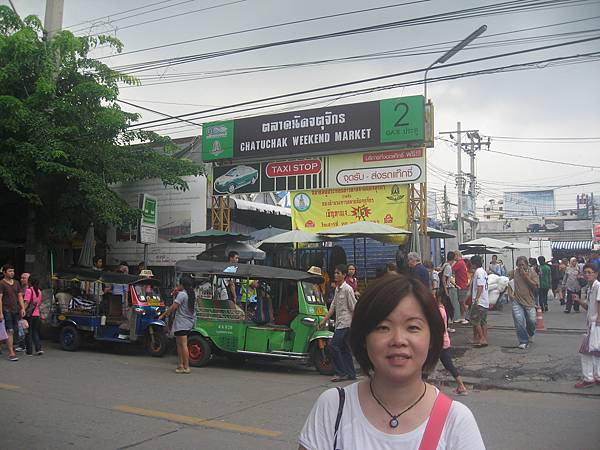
[(480, 278), (356, 432)]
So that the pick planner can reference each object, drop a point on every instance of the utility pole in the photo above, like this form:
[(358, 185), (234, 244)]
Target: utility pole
[(460, 178), (446, 207), (475, 145), (459, 186), (53, 18)]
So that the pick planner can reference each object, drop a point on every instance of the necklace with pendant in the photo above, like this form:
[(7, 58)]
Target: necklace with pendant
[(394, 417)]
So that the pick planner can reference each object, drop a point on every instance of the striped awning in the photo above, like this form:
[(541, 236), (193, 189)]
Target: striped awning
[(572, 245)]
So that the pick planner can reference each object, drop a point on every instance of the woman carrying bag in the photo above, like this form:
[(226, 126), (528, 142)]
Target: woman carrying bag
[(590, 346), (33, 299)]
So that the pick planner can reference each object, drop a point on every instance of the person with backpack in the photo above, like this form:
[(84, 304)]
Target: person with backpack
[(397, 341), (33, 300)]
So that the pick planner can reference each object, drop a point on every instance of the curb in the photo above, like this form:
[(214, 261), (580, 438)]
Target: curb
[(480, 385)]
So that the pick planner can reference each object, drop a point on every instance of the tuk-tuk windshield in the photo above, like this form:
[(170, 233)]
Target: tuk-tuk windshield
[(147, 293), (312, 293)]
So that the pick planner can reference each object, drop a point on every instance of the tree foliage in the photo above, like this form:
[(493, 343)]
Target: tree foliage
[(63, 138)]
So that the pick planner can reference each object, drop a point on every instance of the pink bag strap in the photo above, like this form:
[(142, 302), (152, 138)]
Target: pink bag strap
[(436, 422)]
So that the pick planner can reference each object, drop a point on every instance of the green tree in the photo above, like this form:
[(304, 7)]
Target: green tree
[(63, 138)]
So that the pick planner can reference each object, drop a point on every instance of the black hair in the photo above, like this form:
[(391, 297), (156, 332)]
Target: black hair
[(343, 268), (541, 260), (34, 282), (96, 258), (450, 256), (391, 267), (379, 300), (476, 261), (533, 262), (591, 266), (7, 267), (188, 286), (232, 254)]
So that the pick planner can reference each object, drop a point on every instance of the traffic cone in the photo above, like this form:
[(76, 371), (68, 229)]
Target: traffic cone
[(539, 319)]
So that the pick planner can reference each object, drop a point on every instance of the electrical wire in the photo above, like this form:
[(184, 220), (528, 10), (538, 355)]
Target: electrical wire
[(194, 76), (379, 78), (268, 27), (488, 10)]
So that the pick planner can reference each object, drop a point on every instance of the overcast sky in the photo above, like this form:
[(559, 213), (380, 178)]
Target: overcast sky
[(547, 102)]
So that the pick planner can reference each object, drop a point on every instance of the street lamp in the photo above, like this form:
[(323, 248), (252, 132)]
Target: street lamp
[(453, 51)]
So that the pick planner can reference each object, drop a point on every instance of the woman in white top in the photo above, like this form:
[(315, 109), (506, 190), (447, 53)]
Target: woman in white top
[(398, 339)]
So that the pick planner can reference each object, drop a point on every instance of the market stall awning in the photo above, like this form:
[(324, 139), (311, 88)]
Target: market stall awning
[(572, 245)]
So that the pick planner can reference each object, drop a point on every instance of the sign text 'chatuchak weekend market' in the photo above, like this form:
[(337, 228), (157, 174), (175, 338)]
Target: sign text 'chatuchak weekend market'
[(337, 129)]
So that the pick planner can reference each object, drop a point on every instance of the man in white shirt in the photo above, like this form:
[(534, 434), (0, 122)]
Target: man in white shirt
[(480, 303), (343, 305)]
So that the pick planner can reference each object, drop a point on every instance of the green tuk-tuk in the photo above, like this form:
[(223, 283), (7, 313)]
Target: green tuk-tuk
[(275, 314)]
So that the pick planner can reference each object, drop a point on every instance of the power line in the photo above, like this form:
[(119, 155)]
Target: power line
[(122, 12), (521, 66), (488, 10), (174, 15), (401, 53), (268, 27), (549, 161), (379, 78)]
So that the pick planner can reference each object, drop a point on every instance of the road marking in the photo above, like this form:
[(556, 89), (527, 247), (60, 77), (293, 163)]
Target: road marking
[(8, 387), (189, 420)]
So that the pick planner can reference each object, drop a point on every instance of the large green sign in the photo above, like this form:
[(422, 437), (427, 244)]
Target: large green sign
[(401, 119), (393, 123)]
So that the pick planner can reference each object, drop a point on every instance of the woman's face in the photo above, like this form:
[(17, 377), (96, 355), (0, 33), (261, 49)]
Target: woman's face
[(398, 346), (351, 271), (573, 262)]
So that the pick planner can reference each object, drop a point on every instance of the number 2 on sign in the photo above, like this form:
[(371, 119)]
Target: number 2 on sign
[(404, 108)]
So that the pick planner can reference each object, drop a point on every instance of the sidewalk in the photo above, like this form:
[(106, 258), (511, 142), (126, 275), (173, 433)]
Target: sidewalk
[(551, 364)]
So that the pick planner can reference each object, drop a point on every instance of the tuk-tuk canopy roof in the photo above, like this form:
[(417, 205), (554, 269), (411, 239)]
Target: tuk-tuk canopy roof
[(81, 274), (254, 271)]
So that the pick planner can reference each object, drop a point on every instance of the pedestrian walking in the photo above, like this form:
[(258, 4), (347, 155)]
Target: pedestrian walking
[(479, 303), (545, 275), (184, 311), (521, 294), (590, 360), (449, 288), (12, 308), (446, 354), (417, 269), (397, 340), (461, 279), (33, 300), (20, 343), (571, 286), (352, 280), (343, 305)]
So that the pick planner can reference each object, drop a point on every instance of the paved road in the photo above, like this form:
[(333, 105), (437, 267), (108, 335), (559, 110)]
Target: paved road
[(99, 398)]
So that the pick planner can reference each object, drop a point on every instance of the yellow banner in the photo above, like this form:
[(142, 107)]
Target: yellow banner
[(321, 209)]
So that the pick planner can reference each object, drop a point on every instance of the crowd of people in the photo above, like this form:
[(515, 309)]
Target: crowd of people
[(405, 317), (20, 321)]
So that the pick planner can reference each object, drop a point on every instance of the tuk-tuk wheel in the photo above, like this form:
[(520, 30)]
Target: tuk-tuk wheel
[(156, 344), (322, 360), (69, 338), (199, 351)]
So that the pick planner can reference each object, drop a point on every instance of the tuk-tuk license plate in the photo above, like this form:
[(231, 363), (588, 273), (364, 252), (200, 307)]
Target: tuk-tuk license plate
[(154, 302)]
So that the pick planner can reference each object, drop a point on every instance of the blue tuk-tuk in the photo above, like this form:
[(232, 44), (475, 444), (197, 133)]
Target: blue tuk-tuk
[(108, 306)]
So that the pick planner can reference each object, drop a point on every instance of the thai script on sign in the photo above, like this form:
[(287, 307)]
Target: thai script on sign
[(391, 155), (299, 122), (379, 175)]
